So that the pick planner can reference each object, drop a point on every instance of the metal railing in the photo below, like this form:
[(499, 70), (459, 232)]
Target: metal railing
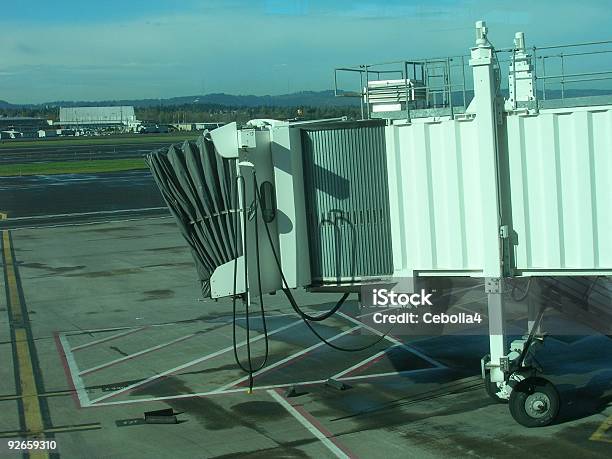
[(443, 81), (566, 67), (448, 84)]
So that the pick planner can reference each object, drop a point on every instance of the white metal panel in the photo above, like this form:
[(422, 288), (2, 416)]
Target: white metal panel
[(290, 201), (435, 197), (560, 164)]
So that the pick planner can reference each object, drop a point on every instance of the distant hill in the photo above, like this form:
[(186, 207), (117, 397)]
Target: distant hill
[(297, 99), (302, 98), (5, 104)]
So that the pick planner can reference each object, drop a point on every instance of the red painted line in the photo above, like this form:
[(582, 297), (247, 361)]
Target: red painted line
[(365, 366), (62, 354), (317, 425)]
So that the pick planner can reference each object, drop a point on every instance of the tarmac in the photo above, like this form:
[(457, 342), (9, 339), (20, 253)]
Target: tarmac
[(101, 322), (67, 194)]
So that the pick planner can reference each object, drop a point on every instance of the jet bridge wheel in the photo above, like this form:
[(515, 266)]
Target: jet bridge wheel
[(534, 402)]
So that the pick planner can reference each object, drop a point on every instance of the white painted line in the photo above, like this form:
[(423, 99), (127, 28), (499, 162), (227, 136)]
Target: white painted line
[(260, 388), (83, 214), (287, 359), (394, 341), (390, 373), (308, 425), (191, 363), (359, 365), (108, 338), (136, 354), (209, 393), (99, 222), (74, 373), (79, 331)]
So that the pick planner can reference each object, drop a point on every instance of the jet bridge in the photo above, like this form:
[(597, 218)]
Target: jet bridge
[(437, 181)]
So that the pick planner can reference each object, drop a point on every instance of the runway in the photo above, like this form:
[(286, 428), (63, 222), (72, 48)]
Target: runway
[(61, 194)]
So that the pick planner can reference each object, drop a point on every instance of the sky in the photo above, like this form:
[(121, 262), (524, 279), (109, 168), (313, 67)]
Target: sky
[(132, 49)]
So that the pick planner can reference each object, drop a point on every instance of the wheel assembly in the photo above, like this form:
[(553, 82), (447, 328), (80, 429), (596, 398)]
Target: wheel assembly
[(534, 402)]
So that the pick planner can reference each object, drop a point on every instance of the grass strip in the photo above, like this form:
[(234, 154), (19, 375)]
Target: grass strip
[(72, 167), (104, 140)]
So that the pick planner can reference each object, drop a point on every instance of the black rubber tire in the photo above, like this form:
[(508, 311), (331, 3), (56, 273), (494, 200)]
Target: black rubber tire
[(491, 389), (530, 391)]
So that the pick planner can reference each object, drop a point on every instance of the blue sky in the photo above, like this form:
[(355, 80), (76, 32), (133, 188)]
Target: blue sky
[(95, 50)]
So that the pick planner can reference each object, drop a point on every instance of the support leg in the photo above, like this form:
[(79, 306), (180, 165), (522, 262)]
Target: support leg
[(497, 334)]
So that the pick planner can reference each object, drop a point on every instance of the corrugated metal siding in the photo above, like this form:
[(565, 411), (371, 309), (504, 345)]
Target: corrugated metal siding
[(347, 203), (435, 189), (560, 165)]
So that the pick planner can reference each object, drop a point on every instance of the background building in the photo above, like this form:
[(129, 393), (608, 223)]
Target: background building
[(120, 117)]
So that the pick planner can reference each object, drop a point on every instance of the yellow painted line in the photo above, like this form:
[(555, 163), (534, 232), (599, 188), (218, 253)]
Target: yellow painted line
[(12, 280), (600, 433), (27, 383)]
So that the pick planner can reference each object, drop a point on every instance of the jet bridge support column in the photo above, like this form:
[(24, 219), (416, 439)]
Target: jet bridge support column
[(498, 364), (485, 105)]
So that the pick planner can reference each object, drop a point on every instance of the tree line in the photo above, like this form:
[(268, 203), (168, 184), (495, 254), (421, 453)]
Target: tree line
[(198, 113)]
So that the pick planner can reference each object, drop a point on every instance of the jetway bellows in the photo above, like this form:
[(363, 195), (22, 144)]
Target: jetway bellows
[(198, 187)]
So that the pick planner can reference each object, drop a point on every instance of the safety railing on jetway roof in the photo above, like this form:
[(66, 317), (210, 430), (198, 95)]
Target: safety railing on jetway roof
[(556, 72), (444, 82), (447, 82)]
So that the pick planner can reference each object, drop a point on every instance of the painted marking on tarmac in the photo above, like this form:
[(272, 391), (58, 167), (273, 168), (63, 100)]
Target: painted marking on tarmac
[(108, 338), (360, 365), (190, 363), (70, 366), (312, 425), (85, 214), (136, 354), (394, 341), (30, 401), (601, 433), (288, 359), (238, 390)]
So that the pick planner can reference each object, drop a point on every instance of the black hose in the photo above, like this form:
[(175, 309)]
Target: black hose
[(522, 296), (249, 370)]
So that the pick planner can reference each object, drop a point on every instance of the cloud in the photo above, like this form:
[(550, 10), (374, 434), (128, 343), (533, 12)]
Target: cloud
[(261, 47)]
